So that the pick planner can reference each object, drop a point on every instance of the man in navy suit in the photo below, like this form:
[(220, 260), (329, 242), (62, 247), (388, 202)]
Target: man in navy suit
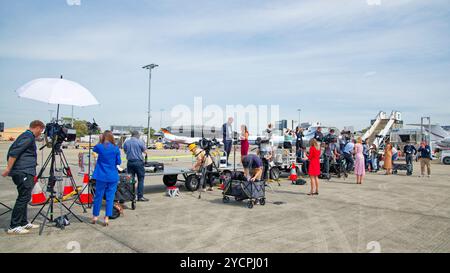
[(228, 136)]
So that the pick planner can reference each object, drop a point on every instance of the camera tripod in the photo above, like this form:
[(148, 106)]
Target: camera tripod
[(8, 209), (52, 180)]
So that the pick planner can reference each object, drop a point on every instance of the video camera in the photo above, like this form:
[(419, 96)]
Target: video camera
[(60, 133), (207, 144), (260, 141), (92, 127)]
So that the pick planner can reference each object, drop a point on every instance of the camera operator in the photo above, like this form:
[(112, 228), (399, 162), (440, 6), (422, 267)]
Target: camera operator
[(348, 154), (22, 161), (265, 152), (134, 147), (253, 167), (288, 137), (330, 151), (410, 151), (299, 141), (202, 161)]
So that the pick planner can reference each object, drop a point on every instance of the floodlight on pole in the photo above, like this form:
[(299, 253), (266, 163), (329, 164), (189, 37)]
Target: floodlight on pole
[(149, 67)]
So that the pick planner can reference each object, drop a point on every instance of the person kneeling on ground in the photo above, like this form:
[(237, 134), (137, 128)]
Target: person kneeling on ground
[(253, 167), (202, 161)]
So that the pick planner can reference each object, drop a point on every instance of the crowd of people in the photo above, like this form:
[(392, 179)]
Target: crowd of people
[(357, 155)]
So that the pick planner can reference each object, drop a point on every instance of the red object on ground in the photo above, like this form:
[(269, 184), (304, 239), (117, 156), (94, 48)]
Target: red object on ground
[(86, 196)]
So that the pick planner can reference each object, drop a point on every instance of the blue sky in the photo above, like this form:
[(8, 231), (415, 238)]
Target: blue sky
[(339, 61)]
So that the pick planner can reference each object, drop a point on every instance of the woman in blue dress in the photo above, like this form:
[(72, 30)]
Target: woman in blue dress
[(106, 175)]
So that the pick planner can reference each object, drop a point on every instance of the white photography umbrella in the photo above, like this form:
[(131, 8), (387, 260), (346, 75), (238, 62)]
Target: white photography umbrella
[(57, 91)]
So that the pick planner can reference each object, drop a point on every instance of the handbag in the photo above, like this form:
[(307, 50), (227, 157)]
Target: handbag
[(117, 210)]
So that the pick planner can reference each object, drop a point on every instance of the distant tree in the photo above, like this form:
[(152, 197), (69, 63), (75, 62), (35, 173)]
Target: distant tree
[(81, 127), (152, 132)]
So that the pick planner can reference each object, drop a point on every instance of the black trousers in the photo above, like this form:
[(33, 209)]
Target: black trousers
[(326, 164), (266, 172), (349, 161), (409, 162), (228, 144), (209, 176), (136, 168), (25, 184)]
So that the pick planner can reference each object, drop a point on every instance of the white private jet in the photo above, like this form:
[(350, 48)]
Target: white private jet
[(439, 137), (274, 140)]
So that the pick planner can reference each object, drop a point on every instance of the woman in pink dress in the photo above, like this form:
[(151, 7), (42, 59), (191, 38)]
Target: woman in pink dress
[(244, 141), (360, 169)]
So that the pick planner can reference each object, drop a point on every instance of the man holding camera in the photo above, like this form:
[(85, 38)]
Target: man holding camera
[(202, 161), (22, 161), (134, 147), (348, 154), (410, 151)]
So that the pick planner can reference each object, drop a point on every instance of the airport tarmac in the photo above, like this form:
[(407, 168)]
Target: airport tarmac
[(385, 214)]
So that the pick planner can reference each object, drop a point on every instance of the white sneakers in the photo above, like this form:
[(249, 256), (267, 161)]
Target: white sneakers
[(18, 231), (30, 226), (22, 230)]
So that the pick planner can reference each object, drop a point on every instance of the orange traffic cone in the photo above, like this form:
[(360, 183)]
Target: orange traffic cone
[(37, 195), (68, 187), (86, 196), (293, 175)]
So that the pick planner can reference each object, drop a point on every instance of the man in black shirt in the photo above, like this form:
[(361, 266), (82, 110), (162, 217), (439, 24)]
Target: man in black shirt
[(410, 151), (318, 135), (22, 161)]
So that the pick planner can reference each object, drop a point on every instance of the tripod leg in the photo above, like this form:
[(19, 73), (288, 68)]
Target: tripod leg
[(72, 180), (40, 211), (69, 210), (50, 209)]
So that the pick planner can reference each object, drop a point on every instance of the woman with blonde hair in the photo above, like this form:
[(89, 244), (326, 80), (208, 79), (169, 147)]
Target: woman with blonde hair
[(360, 168), (388, 157), (106, 175), (314, 166)]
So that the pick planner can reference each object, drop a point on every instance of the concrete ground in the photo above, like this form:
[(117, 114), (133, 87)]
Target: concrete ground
[(385, 214)]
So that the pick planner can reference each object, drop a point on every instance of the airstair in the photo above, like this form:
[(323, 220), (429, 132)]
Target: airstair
[(381, 127)]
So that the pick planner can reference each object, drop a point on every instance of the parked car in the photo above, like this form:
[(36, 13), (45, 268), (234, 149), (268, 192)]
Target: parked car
[(445, 157), (171, 146)]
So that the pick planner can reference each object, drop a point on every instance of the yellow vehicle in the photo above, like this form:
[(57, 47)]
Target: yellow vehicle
[(84, 146)]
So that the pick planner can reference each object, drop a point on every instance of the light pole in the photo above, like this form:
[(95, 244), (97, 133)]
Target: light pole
[(72, 117), (149, 67), (299, 123)]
